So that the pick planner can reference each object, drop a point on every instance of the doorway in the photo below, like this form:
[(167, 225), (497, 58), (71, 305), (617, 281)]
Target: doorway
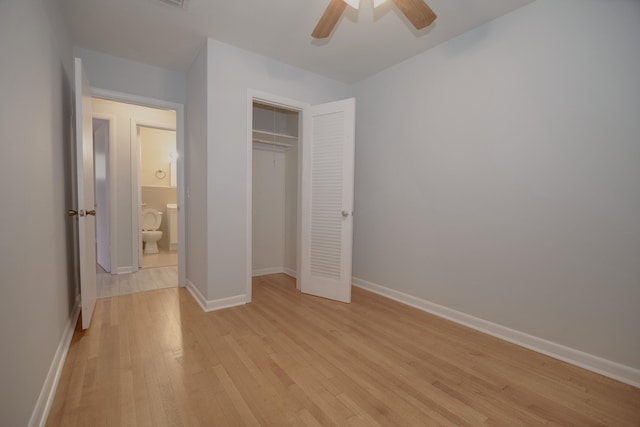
[(275, 189), (274, 148), (118, 118), (323, 136), (157, 186)]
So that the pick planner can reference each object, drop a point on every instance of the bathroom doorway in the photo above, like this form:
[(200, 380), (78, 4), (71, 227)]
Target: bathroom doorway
[(157, 187)]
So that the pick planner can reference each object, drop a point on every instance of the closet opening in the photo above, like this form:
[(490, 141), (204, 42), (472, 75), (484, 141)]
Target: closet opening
[(274, 187)]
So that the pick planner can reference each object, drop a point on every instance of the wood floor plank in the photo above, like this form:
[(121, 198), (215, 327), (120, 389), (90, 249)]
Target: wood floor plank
[(288, 359)]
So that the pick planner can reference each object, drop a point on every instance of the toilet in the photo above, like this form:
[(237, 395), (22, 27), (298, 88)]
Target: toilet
[(151, 220)]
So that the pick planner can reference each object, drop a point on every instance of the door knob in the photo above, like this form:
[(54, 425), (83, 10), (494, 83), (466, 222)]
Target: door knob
[(345, 213), (72, 212), (91, 212)]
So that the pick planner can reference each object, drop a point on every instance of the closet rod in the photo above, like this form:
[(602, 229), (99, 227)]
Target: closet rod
[(281, 135)]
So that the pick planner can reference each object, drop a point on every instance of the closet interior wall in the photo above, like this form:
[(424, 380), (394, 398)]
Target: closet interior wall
[(275, 190)]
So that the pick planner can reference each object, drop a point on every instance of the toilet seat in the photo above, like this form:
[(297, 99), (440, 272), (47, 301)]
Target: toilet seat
[(151, 219)]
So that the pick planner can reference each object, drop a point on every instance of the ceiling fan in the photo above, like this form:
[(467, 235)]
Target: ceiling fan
[(416, 11)]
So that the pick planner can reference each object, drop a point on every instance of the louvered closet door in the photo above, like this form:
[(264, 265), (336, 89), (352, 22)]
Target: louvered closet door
[(326, 237)]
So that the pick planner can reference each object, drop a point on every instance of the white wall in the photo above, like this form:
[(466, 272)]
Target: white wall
[(156, 146), (101, 185), (269, 170), (196, 113), (121, 205), (275, 192), (230, 73), (498, 174), (132, 77), (38, 286)]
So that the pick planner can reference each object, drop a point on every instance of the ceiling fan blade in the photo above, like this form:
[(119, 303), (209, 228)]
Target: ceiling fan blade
[(329, 19), (417, 12)]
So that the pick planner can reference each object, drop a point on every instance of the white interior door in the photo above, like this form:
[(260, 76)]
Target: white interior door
[(85, 197), (326, 231)]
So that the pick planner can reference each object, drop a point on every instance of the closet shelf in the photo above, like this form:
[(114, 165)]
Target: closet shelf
[(267, 139)]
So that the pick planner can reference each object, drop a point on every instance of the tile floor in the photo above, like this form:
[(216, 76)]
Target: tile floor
[(146, 279), (161, 259)]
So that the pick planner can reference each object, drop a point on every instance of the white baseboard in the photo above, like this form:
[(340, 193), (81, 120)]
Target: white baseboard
[(212, 305), (43, 404), (265, 271), (290, 272), (125, 270), (274, 270), (617, 371)]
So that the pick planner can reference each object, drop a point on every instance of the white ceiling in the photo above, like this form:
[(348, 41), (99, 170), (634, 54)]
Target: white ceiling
[(364, 41)]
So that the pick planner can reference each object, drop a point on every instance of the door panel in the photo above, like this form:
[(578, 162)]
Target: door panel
[(85, 195), (327, 200)]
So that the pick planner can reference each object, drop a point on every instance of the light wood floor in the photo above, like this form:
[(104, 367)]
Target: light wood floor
[(156, 359)]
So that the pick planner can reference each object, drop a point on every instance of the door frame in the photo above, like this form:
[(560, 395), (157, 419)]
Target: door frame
[(289, 104), (111, 199), (179, 109)]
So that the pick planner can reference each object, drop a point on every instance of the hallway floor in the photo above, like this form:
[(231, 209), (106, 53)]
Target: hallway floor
[(146, 279)]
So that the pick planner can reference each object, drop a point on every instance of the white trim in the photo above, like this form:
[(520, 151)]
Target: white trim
[(43, 404), (274, 270), (608, 368), (278, 101), (290, 272), (212, 305), (268, 270), (133, 99), (136, 232), (195, 293), (125, 270), (179, 128)]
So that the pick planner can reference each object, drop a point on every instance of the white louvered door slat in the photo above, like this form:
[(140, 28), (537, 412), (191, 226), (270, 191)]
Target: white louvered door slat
[(327, 192)]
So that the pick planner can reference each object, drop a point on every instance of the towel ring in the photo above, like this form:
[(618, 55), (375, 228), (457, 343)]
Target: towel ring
[(160, 174)]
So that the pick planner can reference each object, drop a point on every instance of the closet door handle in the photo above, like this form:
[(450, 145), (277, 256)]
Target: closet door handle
[(345, 213)]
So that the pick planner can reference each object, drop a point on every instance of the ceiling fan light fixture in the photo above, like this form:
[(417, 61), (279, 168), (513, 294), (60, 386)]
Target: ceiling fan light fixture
[(353, 3), (416, 11)]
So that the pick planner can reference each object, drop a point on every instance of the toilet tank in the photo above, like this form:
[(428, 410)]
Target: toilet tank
[(172, 225)]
